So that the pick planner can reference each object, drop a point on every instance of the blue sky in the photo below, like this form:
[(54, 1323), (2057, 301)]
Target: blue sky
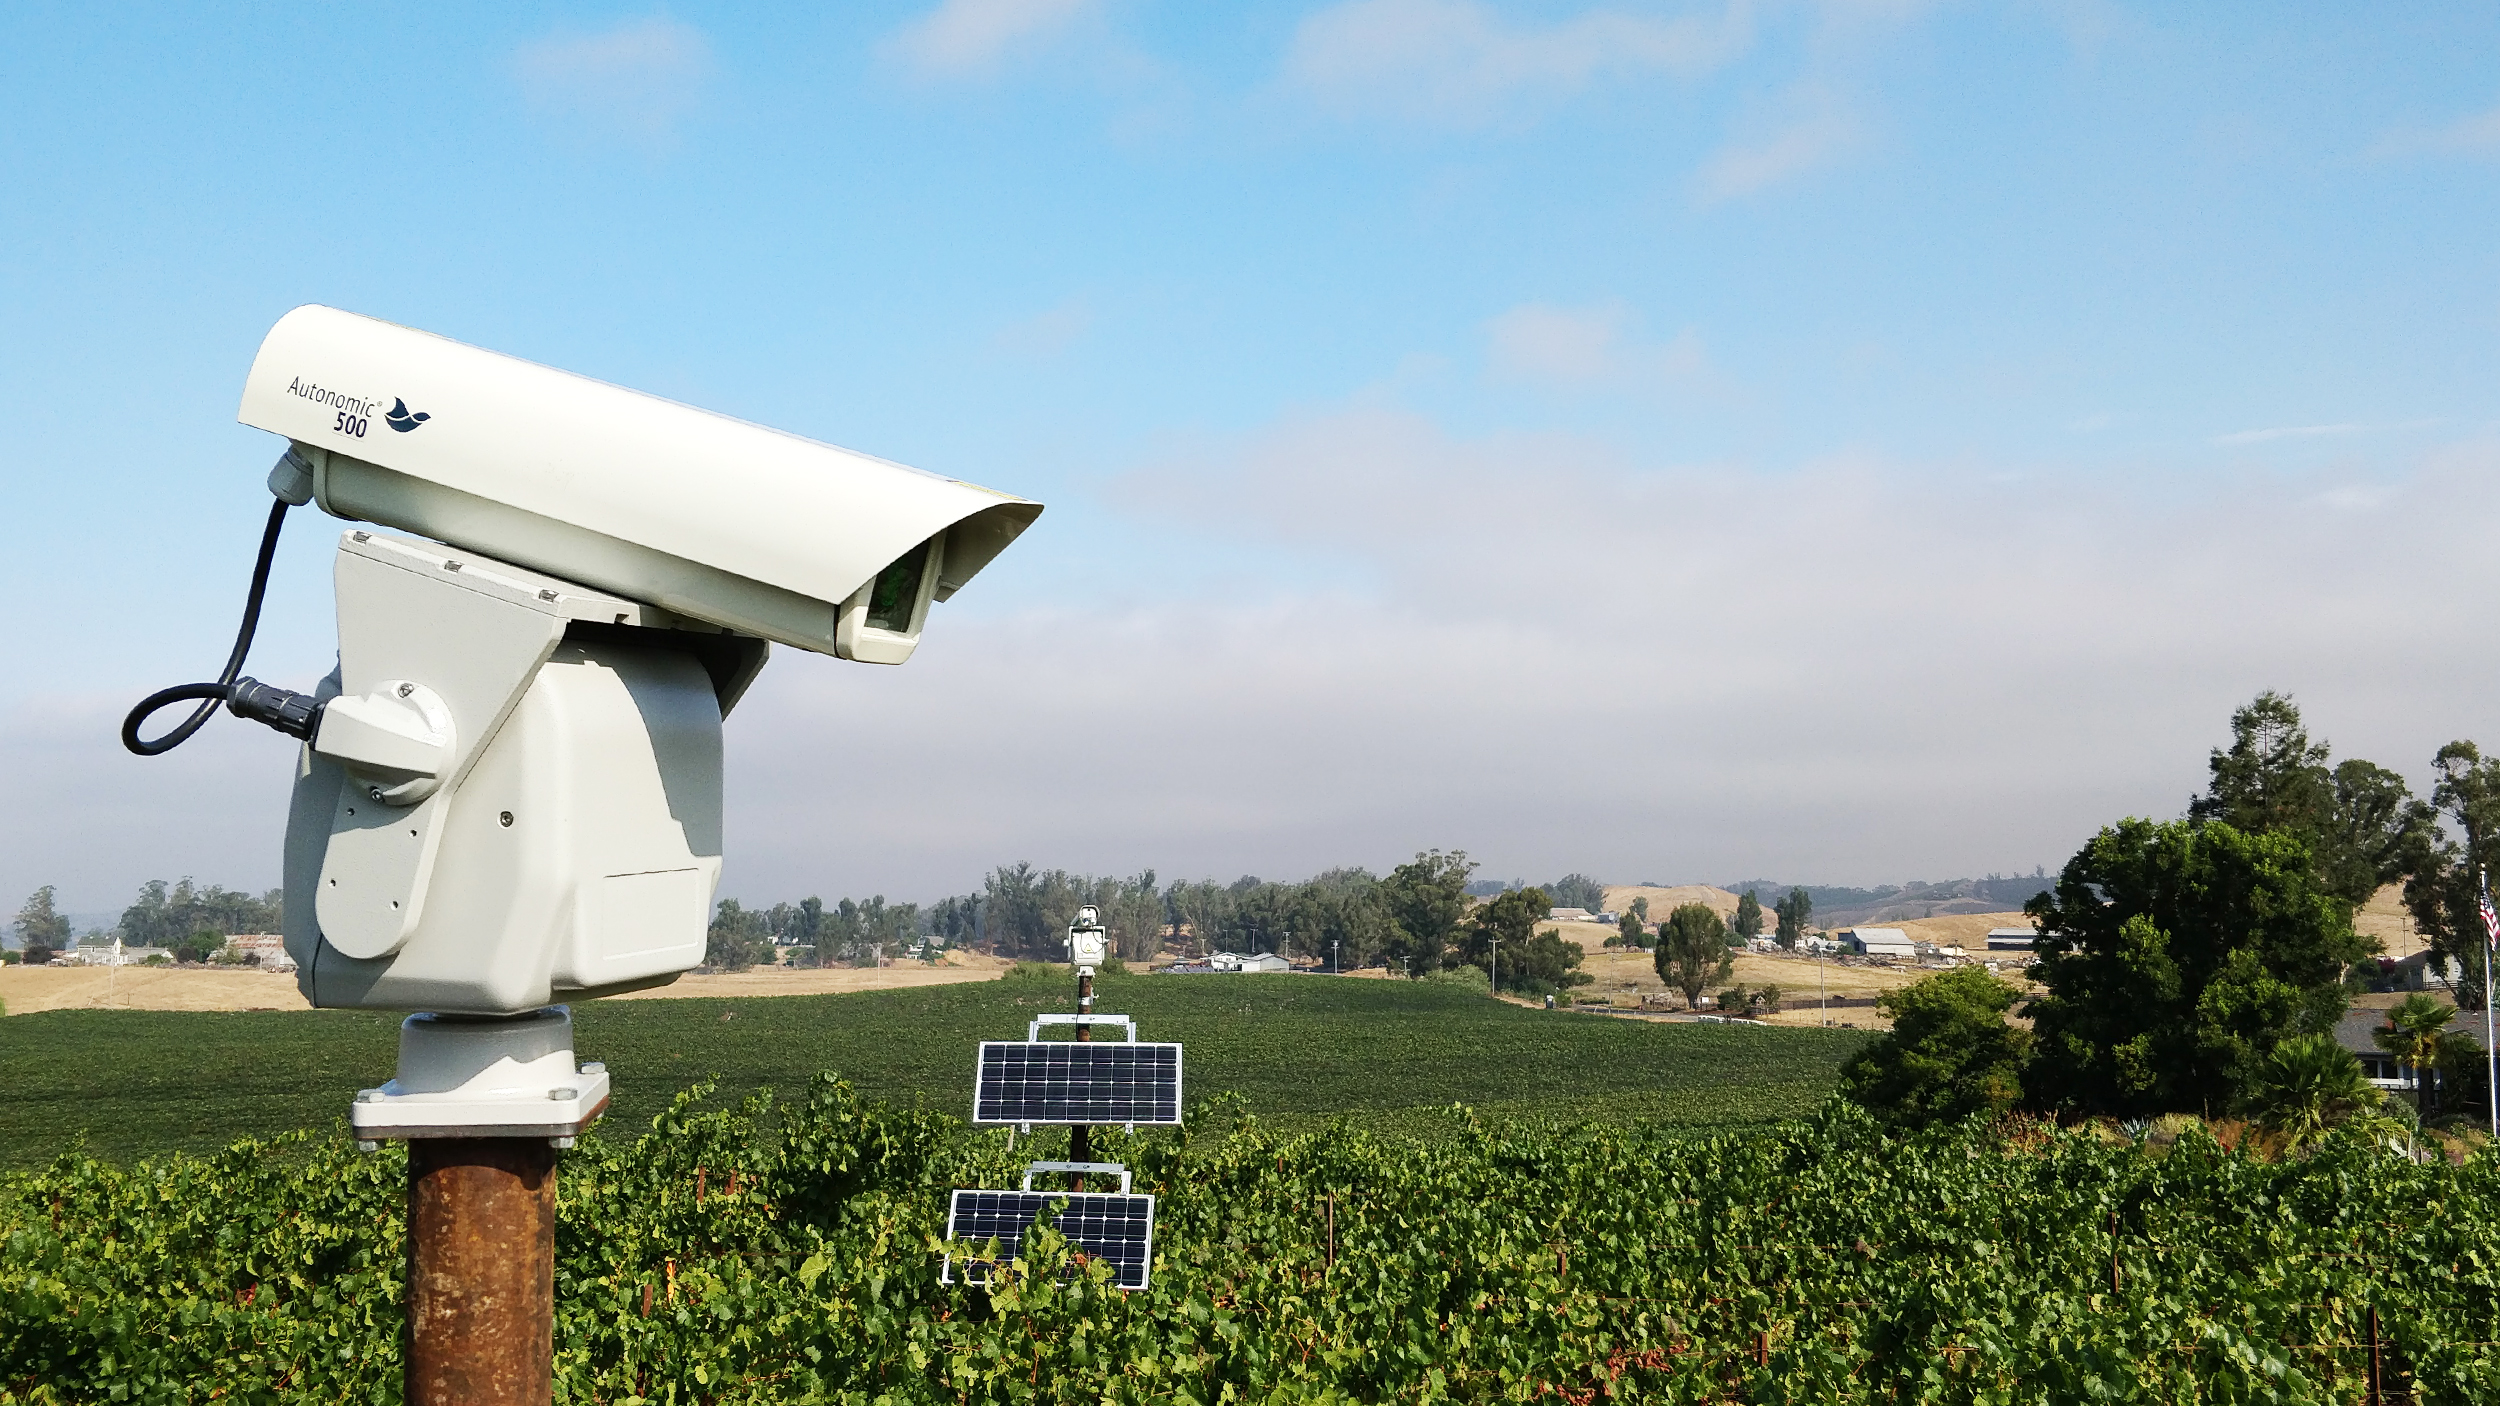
[(1850, 442)]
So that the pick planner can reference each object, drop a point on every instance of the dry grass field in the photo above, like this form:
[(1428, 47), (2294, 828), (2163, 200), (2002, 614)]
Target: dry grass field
[(26, 990), (1622, 978)]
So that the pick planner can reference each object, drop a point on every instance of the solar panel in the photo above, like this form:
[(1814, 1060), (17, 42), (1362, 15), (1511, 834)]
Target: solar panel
[(1110, 1226), (1063, 1081)]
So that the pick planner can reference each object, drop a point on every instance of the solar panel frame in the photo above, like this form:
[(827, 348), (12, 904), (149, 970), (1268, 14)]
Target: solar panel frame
[(1115, 1227), (1047, 1083)]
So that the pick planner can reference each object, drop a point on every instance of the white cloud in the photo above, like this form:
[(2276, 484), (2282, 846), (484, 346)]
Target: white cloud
[(1546, 649), (639, 78), (1461, 61), (969, 38), (1046, 334), (1540, 342), (2285, 432), (2477, 135), (1792, 149)]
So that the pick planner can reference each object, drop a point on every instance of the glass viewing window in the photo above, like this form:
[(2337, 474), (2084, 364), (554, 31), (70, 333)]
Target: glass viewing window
[(897, 591)]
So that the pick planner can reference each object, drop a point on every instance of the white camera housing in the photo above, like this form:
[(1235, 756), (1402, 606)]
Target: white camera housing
[(511, 795), (1088, 944), (559, 834), (715, 519)]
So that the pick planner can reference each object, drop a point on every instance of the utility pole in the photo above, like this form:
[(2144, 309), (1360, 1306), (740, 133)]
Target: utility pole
[(1332, 958)]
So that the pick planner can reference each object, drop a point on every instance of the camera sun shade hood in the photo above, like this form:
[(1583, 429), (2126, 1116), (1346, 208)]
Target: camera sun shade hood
[(730, 523)]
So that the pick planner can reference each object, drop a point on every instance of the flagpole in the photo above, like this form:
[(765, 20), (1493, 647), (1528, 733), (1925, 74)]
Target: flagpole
[(2491, 1057)]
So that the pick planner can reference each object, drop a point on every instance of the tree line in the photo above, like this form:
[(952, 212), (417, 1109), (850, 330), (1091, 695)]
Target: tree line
[(189, 919), (1416, 920), (2200, 965)]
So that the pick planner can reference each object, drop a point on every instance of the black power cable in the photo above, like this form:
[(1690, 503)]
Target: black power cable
[(290, 713)]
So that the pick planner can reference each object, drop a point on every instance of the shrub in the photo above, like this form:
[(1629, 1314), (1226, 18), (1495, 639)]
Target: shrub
[(1950, 1054), (2307, 1085)]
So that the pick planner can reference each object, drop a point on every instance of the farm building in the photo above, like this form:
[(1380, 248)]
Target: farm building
[(1229, 962), (2011, 939), (266, 950), (107, 955), (1878, 942)]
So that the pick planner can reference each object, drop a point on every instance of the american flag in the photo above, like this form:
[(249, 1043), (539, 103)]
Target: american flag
[(2491, 918)]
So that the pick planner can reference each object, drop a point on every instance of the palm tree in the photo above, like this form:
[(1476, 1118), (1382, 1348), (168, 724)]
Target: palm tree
[(2306, 1086), (2412, 1034)]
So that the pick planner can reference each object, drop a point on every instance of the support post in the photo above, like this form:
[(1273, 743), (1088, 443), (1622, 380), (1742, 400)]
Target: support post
[(1081, 1137), (2377, 1398), (481, 1272)]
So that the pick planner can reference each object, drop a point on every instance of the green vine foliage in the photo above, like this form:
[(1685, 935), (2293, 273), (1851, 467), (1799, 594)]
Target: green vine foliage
[(791, 1254)]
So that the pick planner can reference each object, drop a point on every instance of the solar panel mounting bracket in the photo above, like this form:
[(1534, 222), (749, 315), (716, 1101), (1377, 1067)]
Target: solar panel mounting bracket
[(1034, 1032), (1106, 1168)]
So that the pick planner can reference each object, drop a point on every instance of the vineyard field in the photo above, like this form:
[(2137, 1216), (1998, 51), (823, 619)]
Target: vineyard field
[(1297, 1049), (739, 1255)]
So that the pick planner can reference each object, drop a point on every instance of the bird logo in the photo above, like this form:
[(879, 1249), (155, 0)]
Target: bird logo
[(402, 418)]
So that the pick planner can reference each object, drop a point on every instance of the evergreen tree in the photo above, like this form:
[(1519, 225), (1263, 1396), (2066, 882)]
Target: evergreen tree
[(1576, 891), (2177, 956), (1532, 962), (2445, 887), (40, 924), (1793, 912), (1748, 921), (1426, 899), (2359, 821), (1692, 951)]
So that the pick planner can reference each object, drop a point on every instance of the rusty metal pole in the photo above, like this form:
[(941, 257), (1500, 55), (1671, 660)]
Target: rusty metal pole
[(2377, 1397), (1081, 1137), (481, 1271)]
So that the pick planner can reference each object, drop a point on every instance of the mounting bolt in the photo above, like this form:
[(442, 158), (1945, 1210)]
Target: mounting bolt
[(367, 1145), (406, 689), (559, 1143), (595, 1067), (560, 1095), (368, 1095)]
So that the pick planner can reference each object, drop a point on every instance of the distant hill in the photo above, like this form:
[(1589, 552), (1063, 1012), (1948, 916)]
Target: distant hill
[(1666, 898), (1838, 906)]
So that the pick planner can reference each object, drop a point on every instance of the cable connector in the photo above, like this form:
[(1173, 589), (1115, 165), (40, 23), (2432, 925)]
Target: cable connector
[(295, 714), (291, 478)]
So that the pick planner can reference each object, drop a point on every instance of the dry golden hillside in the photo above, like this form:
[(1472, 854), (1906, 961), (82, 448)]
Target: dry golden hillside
[(1664, 901), (1968, 931), (2384, 917)]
